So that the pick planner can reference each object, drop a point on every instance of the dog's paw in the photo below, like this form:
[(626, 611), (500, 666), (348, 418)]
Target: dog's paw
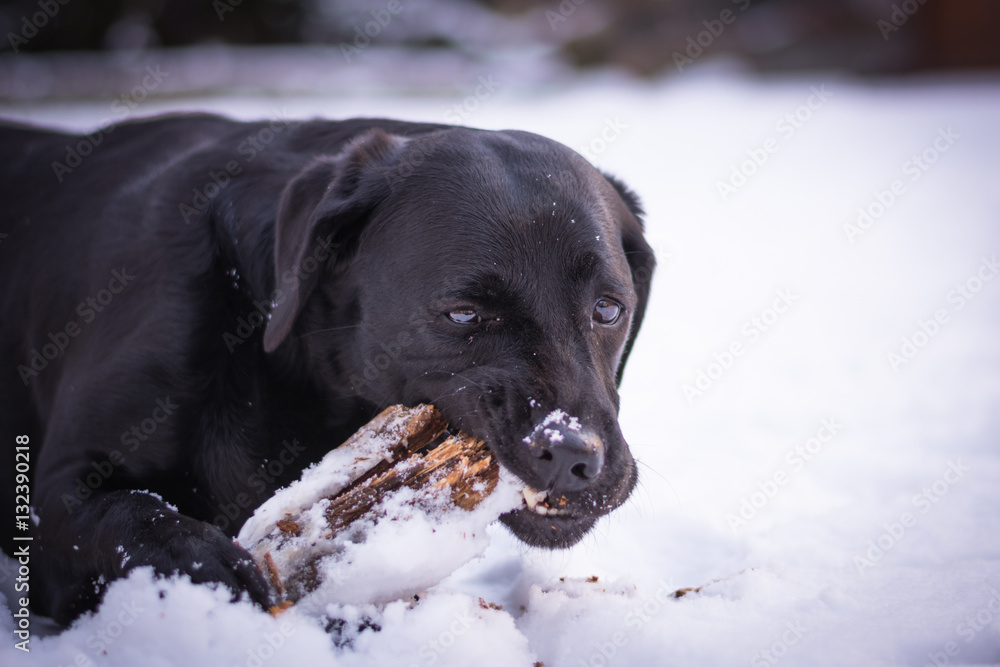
[(203, 552)]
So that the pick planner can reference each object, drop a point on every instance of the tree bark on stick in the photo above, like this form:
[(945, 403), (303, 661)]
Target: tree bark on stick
[(416, 451)]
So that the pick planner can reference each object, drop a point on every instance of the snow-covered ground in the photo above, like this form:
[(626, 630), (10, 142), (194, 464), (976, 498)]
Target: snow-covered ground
[(815, 401)]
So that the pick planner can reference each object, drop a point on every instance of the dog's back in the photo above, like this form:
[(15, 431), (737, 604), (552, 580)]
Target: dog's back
[(67, 253)]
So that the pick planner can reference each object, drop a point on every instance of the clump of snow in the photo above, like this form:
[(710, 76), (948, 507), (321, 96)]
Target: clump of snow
[(146, 492), (545, 427), (560, 418), (411, 542)]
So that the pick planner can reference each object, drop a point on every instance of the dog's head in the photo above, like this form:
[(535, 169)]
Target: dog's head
[(497, 275)]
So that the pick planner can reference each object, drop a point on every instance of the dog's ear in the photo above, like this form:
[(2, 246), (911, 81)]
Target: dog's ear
[(641, 261), (321, 210)]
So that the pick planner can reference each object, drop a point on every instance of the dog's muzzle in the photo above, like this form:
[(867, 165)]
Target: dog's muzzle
[(564, 455)]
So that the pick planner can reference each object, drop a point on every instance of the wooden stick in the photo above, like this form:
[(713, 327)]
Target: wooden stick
[(420, 454)]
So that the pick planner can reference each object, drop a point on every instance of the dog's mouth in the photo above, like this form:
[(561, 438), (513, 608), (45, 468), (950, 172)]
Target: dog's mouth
[(538, 503), (549, 521), (557, 511), (555, 520)]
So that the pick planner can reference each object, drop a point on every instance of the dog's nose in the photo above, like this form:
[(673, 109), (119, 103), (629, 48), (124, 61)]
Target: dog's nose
[(565, 458)]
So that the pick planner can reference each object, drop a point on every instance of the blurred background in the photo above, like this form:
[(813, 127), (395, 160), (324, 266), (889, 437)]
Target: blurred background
[(90, 47)]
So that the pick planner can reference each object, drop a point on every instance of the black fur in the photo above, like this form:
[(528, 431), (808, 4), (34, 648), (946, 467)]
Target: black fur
[(194, 309)]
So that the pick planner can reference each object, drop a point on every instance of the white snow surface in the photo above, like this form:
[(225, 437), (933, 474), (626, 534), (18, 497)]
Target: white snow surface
[(838, 506)]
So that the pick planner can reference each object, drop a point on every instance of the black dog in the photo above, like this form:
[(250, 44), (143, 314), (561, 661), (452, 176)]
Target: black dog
[(194, 309)]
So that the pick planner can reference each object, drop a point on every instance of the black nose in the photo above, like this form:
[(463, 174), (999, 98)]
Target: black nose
[(565, 458)]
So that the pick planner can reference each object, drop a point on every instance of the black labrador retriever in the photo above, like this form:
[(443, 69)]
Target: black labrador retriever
[(195, 309)]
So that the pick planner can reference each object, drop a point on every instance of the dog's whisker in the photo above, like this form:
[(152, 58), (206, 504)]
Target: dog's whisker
[(310, 333), (449, 394), (643, 505), (665, 480), (458, 375), (467, 379)]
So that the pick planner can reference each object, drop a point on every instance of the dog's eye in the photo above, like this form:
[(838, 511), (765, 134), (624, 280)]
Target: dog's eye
[(464, 316), (607, 311)]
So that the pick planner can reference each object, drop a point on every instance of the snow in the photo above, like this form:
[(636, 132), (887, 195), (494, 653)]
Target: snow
[(407, 550), (545, 427), (837, 505)]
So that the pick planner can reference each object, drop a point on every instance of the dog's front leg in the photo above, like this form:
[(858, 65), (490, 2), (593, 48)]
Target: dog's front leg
[(84, 546)]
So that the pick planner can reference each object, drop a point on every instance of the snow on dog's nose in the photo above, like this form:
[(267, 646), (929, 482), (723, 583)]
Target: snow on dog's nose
[(565, 456)]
